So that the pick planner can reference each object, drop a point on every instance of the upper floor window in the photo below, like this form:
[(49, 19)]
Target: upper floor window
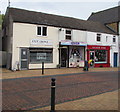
[(106, 38), (98, 37), (114, 39), (68, 34), (41, 31)]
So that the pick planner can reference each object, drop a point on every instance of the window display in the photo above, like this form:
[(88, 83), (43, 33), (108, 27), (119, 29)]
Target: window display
[(76, 56), (100, 56), (41, 55)]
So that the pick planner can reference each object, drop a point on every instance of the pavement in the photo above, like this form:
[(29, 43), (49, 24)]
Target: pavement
[(7, 74), (104, 101)]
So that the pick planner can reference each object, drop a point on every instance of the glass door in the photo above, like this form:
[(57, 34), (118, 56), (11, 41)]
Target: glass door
[(24, 58), (63, 52), (92, 55), (92, 58)]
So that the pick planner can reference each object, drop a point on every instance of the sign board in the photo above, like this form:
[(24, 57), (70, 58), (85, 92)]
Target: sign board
[(98, 47), (69, 42), (41, 42)]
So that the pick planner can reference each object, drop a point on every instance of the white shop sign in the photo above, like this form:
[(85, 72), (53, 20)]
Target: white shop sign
[(41, 42), (69, 42)]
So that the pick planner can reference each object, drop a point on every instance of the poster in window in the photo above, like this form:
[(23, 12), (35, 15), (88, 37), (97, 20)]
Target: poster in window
[(41, 56), (100, 56), (76, 57)]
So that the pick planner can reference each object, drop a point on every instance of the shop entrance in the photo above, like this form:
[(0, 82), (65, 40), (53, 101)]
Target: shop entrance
[(63, 52), (24, 58), (92, 58), (115, 59), (92, 55)]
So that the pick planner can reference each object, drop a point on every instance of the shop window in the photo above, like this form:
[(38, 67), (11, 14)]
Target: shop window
[(41, 55), (68, 34), (76, 56), (41, 31), (98, 38), (100, 56)]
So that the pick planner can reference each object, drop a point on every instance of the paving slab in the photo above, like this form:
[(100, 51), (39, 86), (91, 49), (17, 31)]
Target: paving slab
[(6, 74), (106, 101), (34, 92)]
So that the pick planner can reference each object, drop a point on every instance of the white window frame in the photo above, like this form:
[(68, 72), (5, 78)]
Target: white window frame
[(106, 38), (41, 31), (115, 40), (68, 34), (97, 37)]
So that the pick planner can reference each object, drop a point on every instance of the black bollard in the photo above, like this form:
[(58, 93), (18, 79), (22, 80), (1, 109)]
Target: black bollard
[(42, 67), (53, 95)]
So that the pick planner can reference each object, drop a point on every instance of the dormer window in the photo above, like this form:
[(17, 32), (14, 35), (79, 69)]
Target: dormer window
[(68, 34), (41, 31)]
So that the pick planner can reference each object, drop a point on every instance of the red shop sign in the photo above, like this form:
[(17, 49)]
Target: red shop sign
[(98, 47)]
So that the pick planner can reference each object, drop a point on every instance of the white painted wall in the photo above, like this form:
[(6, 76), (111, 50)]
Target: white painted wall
[(77, 35), (91, 40), (61, 34), (24, 33)]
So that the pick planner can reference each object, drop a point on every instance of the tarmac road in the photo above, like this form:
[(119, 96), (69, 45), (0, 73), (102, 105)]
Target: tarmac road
[(34, 92)]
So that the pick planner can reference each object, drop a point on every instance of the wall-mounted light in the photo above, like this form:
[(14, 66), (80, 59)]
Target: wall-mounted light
[(61, 29)]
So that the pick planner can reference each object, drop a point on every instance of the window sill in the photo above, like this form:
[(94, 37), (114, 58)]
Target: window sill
[(40, 62), (98, 42), (100, 62), (41, 36)]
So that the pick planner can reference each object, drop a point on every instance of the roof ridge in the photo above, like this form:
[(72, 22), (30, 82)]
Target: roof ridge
[(105, 10), (47, 13)]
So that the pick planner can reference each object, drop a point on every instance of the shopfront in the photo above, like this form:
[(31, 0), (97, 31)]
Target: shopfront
[(99, 54), (72, 54)]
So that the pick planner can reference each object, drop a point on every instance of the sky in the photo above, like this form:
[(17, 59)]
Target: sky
[(81, 9)]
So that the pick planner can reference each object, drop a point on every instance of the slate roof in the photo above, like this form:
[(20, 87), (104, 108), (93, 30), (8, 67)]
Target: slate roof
[(106, 16), (32, 17)]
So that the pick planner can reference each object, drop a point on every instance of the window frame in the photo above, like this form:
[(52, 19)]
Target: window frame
[(42, 31), (106, 53), (68, 34), (98, 35), (42, 51), (106, 38), (114, 38)]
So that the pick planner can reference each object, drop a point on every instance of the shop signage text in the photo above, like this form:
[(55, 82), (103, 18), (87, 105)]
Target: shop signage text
[(64, 42), (98, 47), (41, 42)]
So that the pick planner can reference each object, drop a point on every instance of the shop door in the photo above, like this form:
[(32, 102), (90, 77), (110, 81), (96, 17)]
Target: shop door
[(92, 55), (115, 59), (63, 57), (92, 58), (24, 58)]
